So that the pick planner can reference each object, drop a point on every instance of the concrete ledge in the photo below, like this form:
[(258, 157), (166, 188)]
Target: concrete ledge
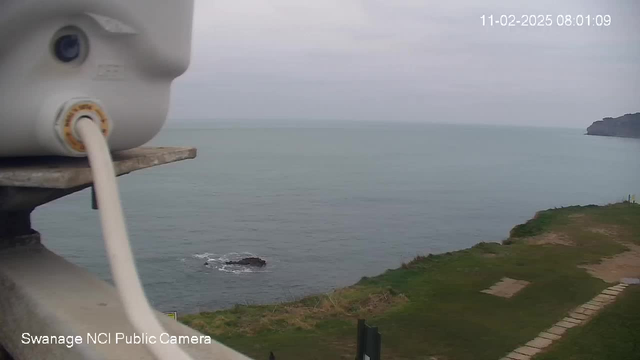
[(19, 241), (4, 355), (26, 183), (42, 294), (66, 173)]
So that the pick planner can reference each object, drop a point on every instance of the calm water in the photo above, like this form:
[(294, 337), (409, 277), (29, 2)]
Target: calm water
[(326, 204)]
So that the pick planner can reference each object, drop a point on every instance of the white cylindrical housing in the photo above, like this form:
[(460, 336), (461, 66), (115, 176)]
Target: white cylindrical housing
[(119, 54)]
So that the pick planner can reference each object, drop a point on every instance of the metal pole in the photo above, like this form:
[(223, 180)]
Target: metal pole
[(360, 340)]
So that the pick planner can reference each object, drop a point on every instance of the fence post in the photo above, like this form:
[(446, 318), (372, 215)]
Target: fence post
[(369, 342), (360, 340)]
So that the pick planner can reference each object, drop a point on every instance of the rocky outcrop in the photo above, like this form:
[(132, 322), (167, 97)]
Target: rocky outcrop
[(250, 261), (623, 126)]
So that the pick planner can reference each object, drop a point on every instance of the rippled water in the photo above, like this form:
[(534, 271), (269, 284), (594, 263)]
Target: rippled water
[(328, 203)]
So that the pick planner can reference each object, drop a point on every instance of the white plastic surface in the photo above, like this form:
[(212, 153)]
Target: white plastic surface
[(123, 268), (136, 48)]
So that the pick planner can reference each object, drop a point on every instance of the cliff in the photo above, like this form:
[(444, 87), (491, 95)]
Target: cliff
[(623, 126)]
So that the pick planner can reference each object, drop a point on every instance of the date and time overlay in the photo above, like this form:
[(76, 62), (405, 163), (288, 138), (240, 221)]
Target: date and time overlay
[(509, 20)]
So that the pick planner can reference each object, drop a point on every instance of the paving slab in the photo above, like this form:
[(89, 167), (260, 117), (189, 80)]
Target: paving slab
[(527, 350), (591, 307), (578, 316), (580, 310), (610, 292), (572, 320), (506, 287), (517, 356), (566, 324), (549, 336), (540, 343), (596, 302)]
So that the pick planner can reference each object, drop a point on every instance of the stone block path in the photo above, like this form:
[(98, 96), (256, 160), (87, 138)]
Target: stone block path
[(576, 317)]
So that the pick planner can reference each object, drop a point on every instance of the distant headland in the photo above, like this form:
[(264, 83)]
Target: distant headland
[(624, 126)]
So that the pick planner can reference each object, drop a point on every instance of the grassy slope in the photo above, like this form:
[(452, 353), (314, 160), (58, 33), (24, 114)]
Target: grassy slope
[(612, 334), (433, 307)]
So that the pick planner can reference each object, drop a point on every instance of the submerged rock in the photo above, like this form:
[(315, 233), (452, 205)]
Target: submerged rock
[(250, 261)]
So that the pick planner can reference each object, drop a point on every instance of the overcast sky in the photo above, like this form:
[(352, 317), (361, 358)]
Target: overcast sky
[(409, 60)]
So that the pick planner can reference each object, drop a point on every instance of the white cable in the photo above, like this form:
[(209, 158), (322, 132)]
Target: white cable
[(116, 239), (117, 244)]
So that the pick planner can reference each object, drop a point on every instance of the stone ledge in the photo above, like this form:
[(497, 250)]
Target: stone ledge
[(65, 172), (45, 294), (20, 241)]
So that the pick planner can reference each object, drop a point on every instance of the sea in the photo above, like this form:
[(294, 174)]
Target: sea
[(326, 203)]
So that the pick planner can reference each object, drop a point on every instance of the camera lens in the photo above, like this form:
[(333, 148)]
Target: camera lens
[(67, 48), (69, 45)]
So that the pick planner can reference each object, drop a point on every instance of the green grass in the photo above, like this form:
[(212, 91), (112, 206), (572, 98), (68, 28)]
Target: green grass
[(432, 306), (612, 334)]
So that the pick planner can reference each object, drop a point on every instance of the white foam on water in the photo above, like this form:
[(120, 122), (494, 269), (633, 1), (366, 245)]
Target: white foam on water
[(217, 261), (237, 269)]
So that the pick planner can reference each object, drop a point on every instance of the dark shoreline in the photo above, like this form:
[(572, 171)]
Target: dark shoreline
[(626, 126)]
